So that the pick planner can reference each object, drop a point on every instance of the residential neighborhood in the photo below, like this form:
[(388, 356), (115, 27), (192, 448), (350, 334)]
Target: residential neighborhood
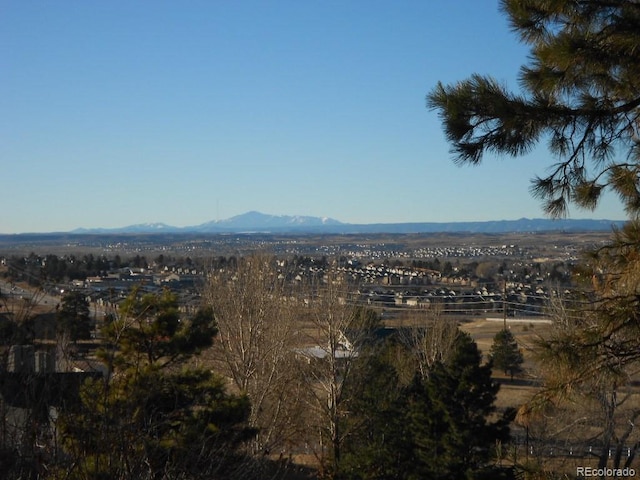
[(320, 306), (460, 279)]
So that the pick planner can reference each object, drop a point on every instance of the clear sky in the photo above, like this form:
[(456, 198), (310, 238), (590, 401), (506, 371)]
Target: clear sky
[(120, 112)]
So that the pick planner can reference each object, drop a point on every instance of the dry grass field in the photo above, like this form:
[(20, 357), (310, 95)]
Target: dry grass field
[(513, 393)]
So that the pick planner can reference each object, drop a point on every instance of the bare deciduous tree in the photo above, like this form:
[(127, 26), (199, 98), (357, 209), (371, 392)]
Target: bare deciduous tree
[(430, 336), (254, 307), (340, 329)]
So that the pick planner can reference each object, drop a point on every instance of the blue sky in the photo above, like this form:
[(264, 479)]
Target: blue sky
[(117, 112)]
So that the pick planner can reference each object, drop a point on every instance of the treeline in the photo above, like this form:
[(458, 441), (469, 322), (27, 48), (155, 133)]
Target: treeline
[(38, 270)]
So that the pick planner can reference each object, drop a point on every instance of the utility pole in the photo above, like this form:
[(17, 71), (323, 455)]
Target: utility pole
[(504, 304)]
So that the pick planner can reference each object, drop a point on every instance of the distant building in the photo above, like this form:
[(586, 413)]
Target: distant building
[(24, 359)]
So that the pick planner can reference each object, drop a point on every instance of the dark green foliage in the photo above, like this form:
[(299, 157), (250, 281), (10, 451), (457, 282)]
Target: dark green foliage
[(136, 426), (448, 416), (57, 269), (364, 327), (373, 444), (437, 427), (152, 417), (506, 354), (151, 329), (73, 317), (580, 92)]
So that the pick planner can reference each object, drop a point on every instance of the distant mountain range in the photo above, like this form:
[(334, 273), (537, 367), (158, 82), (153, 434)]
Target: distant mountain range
[(256, 222)]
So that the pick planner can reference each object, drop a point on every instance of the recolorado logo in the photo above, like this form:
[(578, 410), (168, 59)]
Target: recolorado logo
[(605, 472)]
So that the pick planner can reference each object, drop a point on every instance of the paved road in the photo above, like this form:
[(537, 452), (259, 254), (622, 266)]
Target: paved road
[(37, 296)]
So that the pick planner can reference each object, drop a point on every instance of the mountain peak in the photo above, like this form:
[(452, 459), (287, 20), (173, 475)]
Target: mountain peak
[(258, 221)]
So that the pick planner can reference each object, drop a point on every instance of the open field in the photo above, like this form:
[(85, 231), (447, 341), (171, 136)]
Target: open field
[(513, 393)]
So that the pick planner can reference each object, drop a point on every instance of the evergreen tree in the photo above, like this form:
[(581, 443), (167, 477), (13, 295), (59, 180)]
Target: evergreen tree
[(437, 427), (592, 352), (73, 317), (151, 417), (506, 354), (373, 445), (448, 416), (581, 92)]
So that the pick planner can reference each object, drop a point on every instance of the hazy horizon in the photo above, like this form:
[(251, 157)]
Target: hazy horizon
[(160, 226)]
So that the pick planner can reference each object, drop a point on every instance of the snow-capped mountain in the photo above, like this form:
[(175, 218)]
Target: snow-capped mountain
[(256, 221), (247, 222)]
